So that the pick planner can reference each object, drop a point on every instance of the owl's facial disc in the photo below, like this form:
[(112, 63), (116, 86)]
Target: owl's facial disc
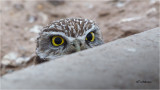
[(67, 36)]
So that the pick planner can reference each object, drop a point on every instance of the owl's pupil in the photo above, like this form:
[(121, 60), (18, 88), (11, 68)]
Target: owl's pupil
[(89, 37), (58, 40)]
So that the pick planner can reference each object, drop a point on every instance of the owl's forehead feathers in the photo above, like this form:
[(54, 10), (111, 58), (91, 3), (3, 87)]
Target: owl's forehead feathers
[(71, 27)]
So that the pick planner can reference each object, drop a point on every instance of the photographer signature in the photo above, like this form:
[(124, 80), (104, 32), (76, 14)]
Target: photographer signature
[(143, 81)]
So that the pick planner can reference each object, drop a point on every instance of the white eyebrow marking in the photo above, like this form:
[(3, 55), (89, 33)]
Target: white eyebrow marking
[(59, 33), (54, 33)]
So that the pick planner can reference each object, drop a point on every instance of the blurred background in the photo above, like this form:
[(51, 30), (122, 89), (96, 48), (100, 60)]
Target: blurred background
[(21, 21)]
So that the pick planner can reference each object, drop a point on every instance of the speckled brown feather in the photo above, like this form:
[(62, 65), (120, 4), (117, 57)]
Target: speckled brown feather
[(71, 27)]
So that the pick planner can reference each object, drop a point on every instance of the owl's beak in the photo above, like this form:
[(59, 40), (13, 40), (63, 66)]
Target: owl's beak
[(77, 44)]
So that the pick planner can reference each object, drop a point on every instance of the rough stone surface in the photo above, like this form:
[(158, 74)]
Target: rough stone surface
[(131, 62)]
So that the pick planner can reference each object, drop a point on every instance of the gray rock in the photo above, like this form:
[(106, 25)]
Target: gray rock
[(128, 63)]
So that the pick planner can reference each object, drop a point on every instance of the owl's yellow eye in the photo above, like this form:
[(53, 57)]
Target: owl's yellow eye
[(57, 40), (90, 37)]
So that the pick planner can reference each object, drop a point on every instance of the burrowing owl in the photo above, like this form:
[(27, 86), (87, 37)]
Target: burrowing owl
[(66, 36)]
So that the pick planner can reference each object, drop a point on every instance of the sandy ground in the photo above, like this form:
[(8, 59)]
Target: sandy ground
[(20, 20)]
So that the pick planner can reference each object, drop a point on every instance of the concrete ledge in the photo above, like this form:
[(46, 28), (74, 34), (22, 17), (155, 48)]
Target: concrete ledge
[(132, 63)]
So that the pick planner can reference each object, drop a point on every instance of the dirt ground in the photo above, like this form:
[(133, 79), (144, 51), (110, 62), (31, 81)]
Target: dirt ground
[(21, 19)]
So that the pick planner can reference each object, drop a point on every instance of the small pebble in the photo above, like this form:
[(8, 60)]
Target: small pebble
[(130, 19), (11, 55), (32, 39), (32, 19), (56, 2), (21, 60), (103, 14), (18, 7), (120, 4), (5, 62), (40, 7), (12, 59), (153, 1), (36, 29)]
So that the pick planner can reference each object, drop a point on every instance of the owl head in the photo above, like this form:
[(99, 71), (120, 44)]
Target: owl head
[(66, 36)]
